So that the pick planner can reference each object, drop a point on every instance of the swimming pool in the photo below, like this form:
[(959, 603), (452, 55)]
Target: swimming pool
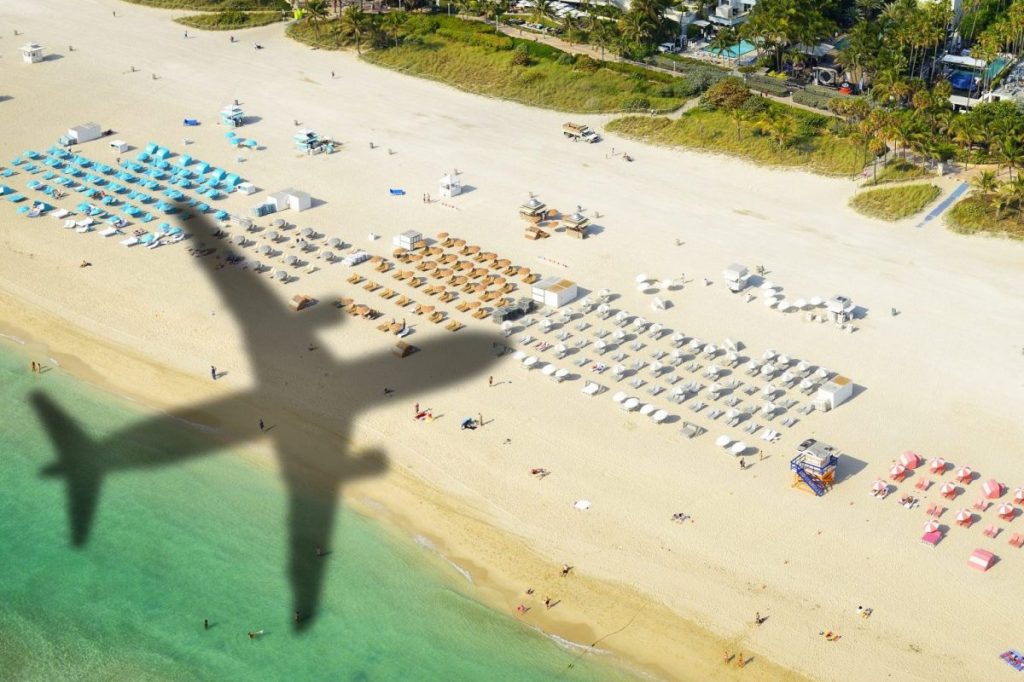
[(734, 51)]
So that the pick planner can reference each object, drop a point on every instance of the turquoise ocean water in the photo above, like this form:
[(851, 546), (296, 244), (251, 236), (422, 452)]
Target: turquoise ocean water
[(205, 539)]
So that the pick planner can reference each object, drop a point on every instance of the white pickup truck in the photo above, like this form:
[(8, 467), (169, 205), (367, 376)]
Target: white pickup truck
[(578, 131)]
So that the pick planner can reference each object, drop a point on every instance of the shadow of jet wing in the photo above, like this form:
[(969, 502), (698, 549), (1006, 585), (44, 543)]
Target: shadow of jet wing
[(438, 363)]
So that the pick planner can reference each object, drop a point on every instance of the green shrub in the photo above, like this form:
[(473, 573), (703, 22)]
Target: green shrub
[(894, 203), (767, 85), (811, 99), (520, 56), (728, 94)]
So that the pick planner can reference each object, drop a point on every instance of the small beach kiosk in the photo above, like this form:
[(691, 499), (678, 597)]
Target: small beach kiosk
[(407, 240), (450, 185), (833, 393), (79, 134), (736, 277), (555, 291), (814, 467), (285, 199), (309, 142), (232, 116), (31, 53)]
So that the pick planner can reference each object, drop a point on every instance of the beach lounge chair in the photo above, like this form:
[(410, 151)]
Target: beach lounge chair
[(990, 531), (923, 484), (932, 538), (981, 505), (592, 388), (454, 326), (1017, 540)]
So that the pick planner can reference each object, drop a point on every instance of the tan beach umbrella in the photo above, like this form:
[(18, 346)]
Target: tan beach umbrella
[(488, 256), (450, 258), (472, 248), (362, 309), (442, 235), (415, 256), (429, 265), (435, 250), (474, 304), (374, 260), (459, 281), (500, 280), (345, 301), (465, 265), (459, 243), (524, 271), (502, 263), (479, 272), (398, 253)]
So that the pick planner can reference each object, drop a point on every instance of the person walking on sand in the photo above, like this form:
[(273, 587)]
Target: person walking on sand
[(261, 426), (416, 409), (743, 464), (206, 623), (480, 420), (547, 602), (565, 569), (490, 381), (319, 550), (213, 372)]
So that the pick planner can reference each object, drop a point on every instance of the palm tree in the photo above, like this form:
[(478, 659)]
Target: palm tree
[(1011, 153), (540, 10), (316, 12), (724, 39), (391, 23), (355, 25), (985, 182), (603, 36)]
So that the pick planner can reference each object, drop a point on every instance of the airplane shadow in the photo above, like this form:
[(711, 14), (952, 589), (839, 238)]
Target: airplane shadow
[(315, 466)]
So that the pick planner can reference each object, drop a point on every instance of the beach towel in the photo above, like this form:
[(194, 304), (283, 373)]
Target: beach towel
[(397, 192), (1013, 658)]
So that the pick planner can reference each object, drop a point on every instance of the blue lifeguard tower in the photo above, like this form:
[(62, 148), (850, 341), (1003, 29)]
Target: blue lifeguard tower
[(814, 467)]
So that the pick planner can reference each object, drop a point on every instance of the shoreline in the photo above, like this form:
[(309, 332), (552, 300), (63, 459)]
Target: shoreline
[(405, 506)]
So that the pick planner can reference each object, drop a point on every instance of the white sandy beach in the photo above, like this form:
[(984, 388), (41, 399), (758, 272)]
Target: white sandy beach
[(942, 378)]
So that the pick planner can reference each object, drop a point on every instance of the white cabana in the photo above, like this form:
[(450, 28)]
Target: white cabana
[(31, 53), (450, 185)]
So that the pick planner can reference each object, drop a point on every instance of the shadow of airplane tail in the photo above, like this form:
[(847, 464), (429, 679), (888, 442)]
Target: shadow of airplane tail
[(75, 463)]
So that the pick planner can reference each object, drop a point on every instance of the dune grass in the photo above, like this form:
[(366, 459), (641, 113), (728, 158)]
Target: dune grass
[(897, 170), (472, 56), (229, 21), (977, 214), (894, 203), (813, 147)]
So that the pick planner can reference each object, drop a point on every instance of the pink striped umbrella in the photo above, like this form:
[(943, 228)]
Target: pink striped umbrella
[(964, 474), (947, 489), (1018, 495), (1005, 511), (910, 459), (931, 526), (879, 486), (897, 472), (964, 515), (992, 488), (937, 465)]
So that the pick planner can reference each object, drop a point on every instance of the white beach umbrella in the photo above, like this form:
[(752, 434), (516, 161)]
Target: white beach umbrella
[(710, 350), (603, 309), (582, 505), (800, 303), (561, 349), (272, 236), (548, 370), (816, 301), (738, 448), (768, 369), (769, 354), (604, 293), (768, 407), (822, 373), (619, 369), (619, 334), (647, 409), (518, 356), (678, 338), (696, 344), (631, 404), (723, 441), (659, 416), (770, 301), (281, 275), (264, 250), (767, 284), (529, 361), (804, 366), (768, 390), (642, 279), (561, 374), (785, 306), (639, 322), (655, 329)]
